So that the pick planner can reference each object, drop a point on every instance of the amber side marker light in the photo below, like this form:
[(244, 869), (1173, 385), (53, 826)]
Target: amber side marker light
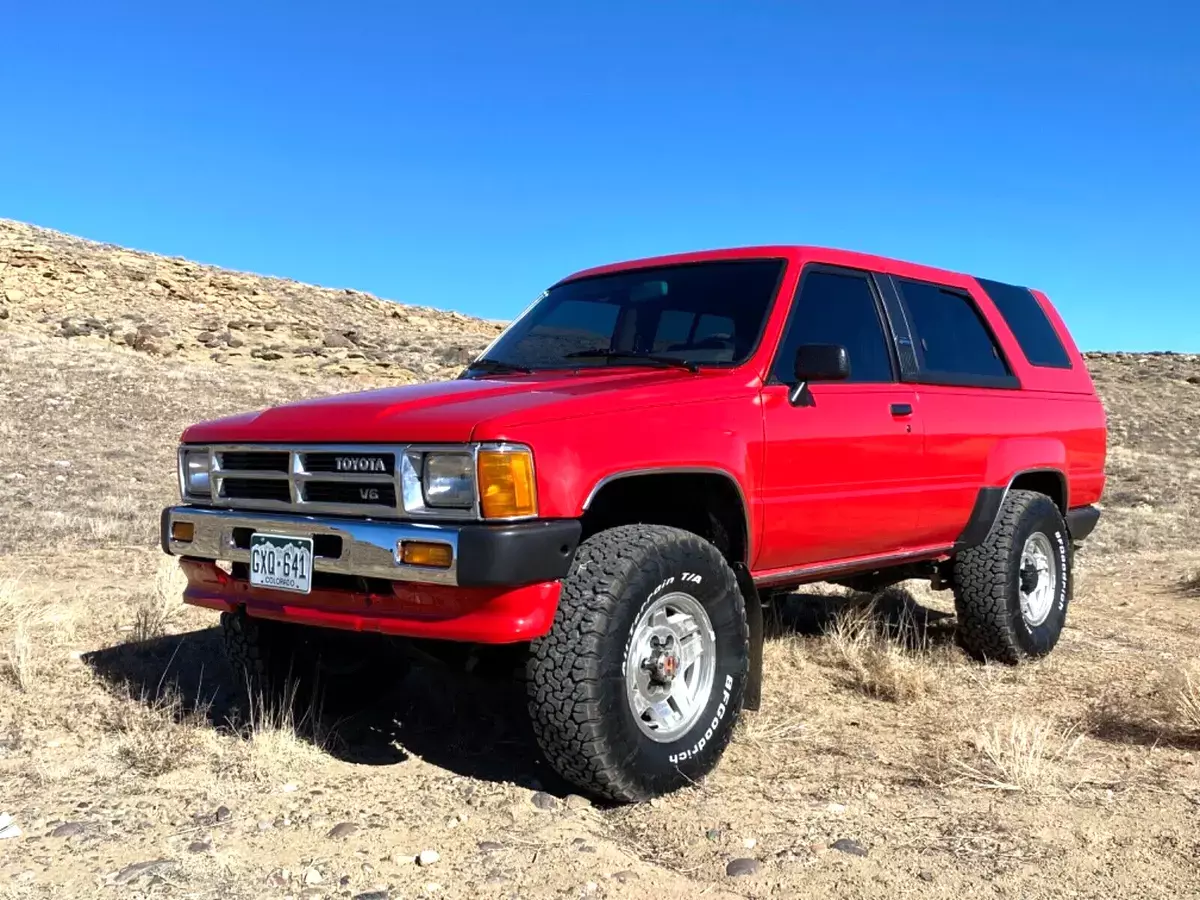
[(506, 486), (183, 532), (423, 553)]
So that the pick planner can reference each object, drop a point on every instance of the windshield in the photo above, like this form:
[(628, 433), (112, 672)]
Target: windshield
[(698, 314)]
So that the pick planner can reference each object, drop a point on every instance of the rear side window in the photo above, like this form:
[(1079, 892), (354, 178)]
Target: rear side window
[(952, 341), (837, 308), (1029, 324)]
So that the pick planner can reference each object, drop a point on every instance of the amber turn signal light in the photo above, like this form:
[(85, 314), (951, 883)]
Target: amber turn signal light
[(506, 486), (183, 532), (423, 553)]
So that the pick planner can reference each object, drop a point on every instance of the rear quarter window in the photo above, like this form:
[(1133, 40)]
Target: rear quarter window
[(1029, 324)]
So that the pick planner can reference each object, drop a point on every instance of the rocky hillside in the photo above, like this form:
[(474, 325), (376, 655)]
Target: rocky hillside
[(168, 307)]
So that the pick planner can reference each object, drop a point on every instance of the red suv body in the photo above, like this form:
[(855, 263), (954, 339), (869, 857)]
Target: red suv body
[(814, 414)]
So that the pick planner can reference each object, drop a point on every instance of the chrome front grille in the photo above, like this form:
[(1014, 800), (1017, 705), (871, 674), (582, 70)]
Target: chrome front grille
[(352, 480)]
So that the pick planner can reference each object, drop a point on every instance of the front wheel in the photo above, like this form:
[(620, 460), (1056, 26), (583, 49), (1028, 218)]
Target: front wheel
[(636, 689), (281, 662)]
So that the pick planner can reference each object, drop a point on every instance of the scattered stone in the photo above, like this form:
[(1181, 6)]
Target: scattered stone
[(139, 870), (280, 878), (713, 834), (845, 845), (289, 788), (743, 866), (12, 295), (428, 857), (313, 875), (925, 875), (750, 843), (372, 895), (577, 801), (68, 830), (223, 814), (625, 876), (543, 801), (265, 825), (490, 846), (342, 830), (8, 829), (836, 808), (199, 847), (1193, 379), (818, 848), (590, 888)]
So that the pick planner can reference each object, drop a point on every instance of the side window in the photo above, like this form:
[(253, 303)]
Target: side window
[(951, 337), (1028, 323), (837, 308)]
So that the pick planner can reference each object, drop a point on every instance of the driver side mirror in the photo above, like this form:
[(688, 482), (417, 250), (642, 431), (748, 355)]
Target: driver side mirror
[(817, 362)]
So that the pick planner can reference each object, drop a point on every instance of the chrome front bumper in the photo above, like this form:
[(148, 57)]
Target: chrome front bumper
[(368, 548)]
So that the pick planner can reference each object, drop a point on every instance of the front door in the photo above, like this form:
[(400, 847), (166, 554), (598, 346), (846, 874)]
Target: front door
[(842, 471)]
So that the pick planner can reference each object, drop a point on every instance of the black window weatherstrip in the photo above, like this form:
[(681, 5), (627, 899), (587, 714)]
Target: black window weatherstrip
[(958, 379), (897, 317), (880, 312)]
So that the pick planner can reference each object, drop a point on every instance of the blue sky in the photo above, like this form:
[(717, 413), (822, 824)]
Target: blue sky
[(465, 155)]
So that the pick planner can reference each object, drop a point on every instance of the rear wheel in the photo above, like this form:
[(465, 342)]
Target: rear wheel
[(279, 661), (636, 689), (1012, 591)]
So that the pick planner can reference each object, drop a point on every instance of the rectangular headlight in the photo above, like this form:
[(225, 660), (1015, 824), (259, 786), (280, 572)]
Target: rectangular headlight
[(193, 472), (448, 480), (507, 489)]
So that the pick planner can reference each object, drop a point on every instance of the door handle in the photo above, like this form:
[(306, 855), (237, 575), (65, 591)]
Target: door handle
[(901, 409)]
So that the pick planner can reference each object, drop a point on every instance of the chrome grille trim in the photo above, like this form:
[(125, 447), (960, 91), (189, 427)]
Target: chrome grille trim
[(410, 506)]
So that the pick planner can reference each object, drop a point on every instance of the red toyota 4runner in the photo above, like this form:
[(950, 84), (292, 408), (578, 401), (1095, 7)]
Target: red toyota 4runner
[(646, 456)]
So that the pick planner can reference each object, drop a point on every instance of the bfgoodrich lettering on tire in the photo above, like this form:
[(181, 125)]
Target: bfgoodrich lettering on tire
[(1012, 591), (636, 689)]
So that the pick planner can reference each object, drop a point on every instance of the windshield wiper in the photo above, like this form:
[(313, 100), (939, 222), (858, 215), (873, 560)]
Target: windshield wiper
[(497, 367), (631, 356)]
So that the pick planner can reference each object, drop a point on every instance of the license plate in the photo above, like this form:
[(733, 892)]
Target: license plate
[(282, 563)]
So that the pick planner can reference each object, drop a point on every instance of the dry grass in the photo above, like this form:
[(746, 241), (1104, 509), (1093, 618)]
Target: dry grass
[(887, 661), (155, 735), (1183, 698), (18, 658), (157, 613), (1025, 754)]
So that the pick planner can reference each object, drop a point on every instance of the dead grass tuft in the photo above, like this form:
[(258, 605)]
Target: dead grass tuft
[(280, 734), (157, 613), (155, 735), (886, 660), (1024, 755), (1183, 698), (18, 657)]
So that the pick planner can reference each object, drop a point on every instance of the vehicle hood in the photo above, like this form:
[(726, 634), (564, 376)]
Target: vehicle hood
[(463, 410)]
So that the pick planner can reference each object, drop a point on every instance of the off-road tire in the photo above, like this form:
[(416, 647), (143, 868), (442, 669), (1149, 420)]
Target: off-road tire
[(280, 662), (576, 683), (987, 583)]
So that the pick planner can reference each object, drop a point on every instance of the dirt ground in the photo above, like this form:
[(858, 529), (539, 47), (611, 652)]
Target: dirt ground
[(880, 766)]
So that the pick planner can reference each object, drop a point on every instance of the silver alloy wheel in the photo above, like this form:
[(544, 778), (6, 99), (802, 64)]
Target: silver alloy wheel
[(670, 667), (1038, 579)]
